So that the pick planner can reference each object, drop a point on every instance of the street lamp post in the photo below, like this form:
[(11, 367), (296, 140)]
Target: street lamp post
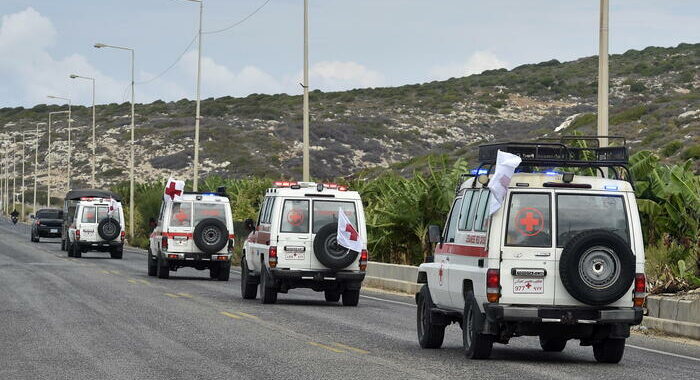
[(131, 162), (305, 170), (36, 164), (92, 178), (14, 171), (603, 73), (48, 157), (24, 157), (69, 130), (195, 165)]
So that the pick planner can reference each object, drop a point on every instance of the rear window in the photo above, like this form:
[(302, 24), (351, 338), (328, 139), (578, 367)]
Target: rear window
[(326, 212), (209, 210), (102, 212), (295, 216), (49, 214), (578, 212), (529, 220), (89, 215), (181, 214)]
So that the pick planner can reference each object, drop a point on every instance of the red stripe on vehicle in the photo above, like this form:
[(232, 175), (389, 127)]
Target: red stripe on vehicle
[(461, 250), (173, 234)]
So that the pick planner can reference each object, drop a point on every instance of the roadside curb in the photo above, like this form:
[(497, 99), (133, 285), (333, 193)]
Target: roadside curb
[(679, 328)]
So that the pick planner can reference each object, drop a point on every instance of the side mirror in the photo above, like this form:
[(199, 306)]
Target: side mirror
[(434, 234), (249, 224)]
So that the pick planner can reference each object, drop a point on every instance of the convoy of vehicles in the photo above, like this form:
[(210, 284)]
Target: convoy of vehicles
[(562, 258), (194, 231)]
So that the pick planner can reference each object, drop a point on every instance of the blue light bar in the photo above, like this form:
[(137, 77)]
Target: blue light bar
[(479, 172), (551, 173), (609, 187)]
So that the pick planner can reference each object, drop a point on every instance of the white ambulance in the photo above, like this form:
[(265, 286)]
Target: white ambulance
[(561, 259), (93, 220), (294, 243)]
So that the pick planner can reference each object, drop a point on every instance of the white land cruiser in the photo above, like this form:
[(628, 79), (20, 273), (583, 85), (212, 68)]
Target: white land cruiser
[(562, 258), (196, 232), (293, 244), (93, 220)]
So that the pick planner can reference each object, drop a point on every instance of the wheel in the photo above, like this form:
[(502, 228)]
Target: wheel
[(116, 253), (609, 350), (332, 295), (163, 268), (268, 294), (77, 253), (430, 335), (552, 344), (351, 297), (108, 229), (210, 235), (64, 245), (249, 288), (214, 271), (477, 345), (224, 271), (69, 249), (329, 252), (152, 265)]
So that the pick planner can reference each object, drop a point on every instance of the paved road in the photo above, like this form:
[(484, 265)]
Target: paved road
[(98, 318)]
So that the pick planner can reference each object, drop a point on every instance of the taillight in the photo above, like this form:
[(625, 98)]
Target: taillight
[(164, 243), (38, 223), (272, 257), (364, 256), (493, 285), (640, 289), (123, 233), (77, 235)]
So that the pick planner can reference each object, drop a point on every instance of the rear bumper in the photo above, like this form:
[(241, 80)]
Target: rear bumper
[(192, 257), (566, 315), (99, 245), (317, 275), (45, 231)]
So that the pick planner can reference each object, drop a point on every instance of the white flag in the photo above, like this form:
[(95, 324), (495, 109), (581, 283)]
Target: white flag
[(174, 190), (505, 168), (348, 236), (113, 207)]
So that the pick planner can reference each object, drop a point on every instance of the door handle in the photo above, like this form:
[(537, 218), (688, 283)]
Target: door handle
[(543, 254)]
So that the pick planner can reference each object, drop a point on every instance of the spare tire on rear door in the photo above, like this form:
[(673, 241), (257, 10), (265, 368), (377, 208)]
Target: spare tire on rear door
[(210, 235), (109, 229), (597, 267), (329, 252)]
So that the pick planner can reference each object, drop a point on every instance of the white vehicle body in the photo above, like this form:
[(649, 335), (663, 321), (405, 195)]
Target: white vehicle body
[(83, 222), (289, 220), (172, 243)]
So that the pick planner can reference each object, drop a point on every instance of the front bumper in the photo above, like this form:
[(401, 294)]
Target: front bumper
[(564, 314)]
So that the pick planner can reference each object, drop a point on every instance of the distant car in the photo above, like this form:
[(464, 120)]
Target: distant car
[(47, 224)]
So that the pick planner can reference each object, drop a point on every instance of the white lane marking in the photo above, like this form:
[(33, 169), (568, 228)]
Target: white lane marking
[(386, 300), (664, 353)]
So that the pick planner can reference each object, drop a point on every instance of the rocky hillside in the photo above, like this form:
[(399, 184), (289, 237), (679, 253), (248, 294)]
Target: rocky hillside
[(655, 101)]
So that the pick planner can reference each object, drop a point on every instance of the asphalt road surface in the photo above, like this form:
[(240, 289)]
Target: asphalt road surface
[(98, 318)]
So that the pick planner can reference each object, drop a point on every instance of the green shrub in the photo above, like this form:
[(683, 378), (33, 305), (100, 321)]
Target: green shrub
[(691, 153), (671, 148)]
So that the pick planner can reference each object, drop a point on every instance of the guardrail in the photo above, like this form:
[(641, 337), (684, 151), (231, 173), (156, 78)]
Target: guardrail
[(392, 277)]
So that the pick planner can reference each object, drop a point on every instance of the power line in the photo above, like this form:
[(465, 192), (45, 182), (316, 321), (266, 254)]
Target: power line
[(241, 21), (173, 64)]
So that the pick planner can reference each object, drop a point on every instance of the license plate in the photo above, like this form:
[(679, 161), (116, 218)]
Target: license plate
[(294, 255), (54, 230), (528, 285)]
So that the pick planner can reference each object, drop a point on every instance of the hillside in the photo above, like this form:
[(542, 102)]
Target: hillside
[(655, 101)]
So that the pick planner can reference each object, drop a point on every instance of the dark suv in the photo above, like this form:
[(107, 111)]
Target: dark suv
[(47, 223)]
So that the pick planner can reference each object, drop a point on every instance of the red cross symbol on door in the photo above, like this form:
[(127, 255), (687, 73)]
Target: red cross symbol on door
[(171, 191), (529, 221)]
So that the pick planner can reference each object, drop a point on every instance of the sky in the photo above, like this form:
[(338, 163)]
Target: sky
[(353, 43)]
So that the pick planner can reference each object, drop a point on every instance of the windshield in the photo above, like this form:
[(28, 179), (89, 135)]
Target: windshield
[(582, 212), (326, 212), (48, 214)]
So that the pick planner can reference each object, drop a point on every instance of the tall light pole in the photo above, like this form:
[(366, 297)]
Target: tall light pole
[(24, 157), (6, 198), (14, 171), (131, 162), (36, 163), (198, 116), (305, 173), (92, 178), (603, 73), (69, 130), (48, 157)]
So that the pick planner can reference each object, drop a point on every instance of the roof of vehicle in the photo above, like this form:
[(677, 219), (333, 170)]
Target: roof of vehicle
[(545, 180), (92, 193), (204, 197), (311, 190)]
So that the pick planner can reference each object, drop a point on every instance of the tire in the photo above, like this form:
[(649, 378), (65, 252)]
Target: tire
[(609, 350), (116, 253), (77, 253), (152, 265), (163, 270), (214, 271), (476, 344), (249, 288), (351, 297), (69, 249), (108, 229), (332, 295), (224, 271), (327, 250), (430, 335), (597, 267), (210, 235), (268, 294), (64, 245), (552, 344)]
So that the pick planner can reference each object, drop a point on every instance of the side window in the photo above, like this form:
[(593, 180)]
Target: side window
[(295, 216), (466, 219), (452, 221), (529, 220), (181, 214), (263, 210), (481, 217), (268, 213), (162, 210)]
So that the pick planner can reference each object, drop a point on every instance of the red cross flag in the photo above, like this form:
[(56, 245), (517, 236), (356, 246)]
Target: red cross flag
[(174, 190), (348, 236), (113, 207), (498, 184)]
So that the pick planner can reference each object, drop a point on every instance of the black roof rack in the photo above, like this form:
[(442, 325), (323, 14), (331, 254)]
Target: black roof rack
[(76, 194)]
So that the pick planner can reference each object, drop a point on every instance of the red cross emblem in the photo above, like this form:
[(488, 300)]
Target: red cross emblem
[(295, 217), (529, 221), (171, 191), (528, 285), (353, 233)]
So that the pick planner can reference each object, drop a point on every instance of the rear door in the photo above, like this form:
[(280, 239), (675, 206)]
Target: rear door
[(88, 223), (294, 242), (179, 231), (528, 270), (325, 212)]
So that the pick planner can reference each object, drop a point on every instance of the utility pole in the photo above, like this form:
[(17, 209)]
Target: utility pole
[(48, 157), (603, 73), (306, 176), (92, 177), (14, 171), (36, 164), (198, 116), (22, 186)]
